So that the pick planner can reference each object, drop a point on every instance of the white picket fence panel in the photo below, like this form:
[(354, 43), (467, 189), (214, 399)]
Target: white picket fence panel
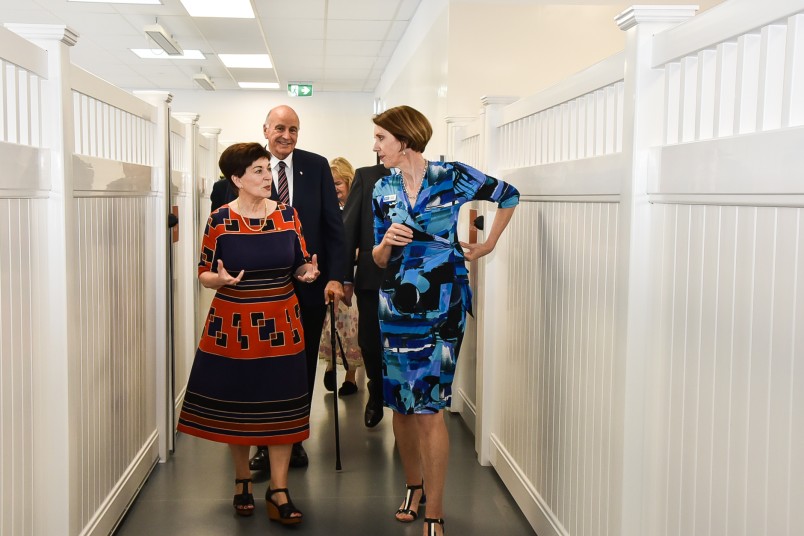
[(640, 367), (86, 334)]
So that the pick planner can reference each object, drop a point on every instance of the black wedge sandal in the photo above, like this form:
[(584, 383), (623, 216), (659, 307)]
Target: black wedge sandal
[(282, 513), (243, 500), (431, 523), (406, 509)]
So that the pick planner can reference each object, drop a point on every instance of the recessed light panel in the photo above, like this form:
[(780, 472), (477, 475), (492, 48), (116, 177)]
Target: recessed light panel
[(225, 9), (259, 85), (246, 61), (159, 54)]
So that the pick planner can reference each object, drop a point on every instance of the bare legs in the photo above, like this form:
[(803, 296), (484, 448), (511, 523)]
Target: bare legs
[(423, 444), (240, 459), (279, 456)]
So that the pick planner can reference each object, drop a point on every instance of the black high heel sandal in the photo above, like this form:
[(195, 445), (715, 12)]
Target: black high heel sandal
[(282, 513), (329, 380), (243, 500), (431, 523), (406, 509)]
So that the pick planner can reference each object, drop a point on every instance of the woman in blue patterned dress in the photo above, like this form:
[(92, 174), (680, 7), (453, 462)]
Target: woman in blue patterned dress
[(425, 295)]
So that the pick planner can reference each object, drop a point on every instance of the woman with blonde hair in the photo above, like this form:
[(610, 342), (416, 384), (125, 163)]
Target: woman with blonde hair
[(343, 173)]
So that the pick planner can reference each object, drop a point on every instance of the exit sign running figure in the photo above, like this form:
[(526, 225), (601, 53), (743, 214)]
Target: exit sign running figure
[(300, 90)]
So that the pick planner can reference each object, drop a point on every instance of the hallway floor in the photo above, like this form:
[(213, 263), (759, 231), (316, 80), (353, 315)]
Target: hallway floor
[(191, 494)]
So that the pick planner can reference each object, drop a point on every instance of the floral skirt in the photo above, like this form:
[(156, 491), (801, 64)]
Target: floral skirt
[(346, 325)]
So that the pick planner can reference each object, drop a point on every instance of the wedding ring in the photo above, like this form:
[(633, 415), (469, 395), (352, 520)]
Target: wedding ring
[(393, 237)]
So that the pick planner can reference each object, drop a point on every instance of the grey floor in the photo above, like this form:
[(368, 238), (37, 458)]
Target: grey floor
[(191, 494)]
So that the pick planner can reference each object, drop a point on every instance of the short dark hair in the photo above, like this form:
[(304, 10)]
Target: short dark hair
[(406, 124), (236, 159)]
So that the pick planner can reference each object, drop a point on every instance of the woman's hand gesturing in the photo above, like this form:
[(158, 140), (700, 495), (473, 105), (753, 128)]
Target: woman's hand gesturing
[(307, 273), (220, 279), (472, 252)]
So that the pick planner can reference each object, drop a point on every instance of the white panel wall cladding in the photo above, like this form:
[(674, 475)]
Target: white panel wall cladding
[(558, 367), (21, 108), (584, 127), (21, 309), (105, 131), (116, 382), (729, 370)]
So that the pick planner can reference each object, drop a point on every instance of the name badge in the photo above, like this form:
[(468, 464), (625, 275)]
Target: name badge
[(388, 198)]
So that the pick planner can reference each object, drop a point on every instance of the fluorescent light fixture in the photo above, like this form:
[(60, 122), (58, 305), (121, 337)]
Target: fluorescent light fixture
[(162, 38), (204, 81), (159, 54), (229, 9), (246, 61), (259, 85), (120, 1)]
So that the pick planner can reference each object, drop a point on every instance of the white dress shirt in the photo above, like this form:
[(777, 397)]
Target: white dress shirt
[(288, 173)]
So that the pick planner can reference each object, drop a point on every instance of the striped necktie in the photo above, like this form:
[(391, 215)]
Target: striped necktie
[(282, 184)]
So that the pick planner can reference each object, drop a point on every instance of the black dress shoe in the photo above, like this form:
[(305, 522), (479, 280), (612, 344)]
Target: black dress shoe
[(259, 462), (329, 380), (298, 456), (348, 388), (373, 414)]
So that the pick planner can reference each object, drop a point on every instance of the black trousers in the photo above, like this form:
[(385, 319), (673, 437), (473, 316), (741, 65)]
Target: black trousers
[(368, 337), (313, 324)]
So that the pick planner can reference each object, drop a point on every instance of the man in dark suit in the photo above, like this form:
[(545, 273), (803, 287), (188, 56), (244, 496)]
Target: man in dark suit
[(311, 191), (222, 193), (358, 221)]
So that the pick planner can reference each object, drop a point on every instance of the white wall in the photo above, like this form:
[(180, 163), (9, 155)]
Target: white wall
[(457, 51), (332, 124), (417, 73)]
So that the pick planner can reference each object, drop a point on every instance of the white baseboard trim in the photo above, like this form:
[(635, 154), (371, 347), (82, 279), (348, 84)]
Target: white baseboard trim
[(112, 509), (466, 408), (177, 406), (538, 514)]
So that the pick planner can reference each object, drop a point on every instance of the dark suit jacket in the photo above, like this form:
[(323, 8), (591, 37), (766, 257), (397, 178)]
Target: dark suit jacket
[(222, 193), (316, 202), (358, 221)]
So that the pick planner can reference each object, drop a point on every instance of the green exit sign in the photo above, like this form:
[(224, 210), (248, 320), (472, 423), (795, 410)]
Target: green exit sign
[(300, 90)]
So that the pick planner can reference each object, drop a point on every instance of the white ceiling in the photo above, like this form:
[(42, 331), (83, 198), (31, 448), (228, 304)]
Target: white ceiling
[(338, 45)]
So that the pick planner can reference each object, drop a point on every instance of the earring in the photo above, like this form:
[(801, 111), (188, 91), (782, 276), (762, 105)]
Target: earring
[(403, 153)]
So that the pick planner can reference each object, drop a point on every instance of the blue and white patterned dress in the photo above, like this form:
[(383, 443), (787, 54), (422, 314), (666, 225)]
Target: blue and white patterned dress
[(425, 295)]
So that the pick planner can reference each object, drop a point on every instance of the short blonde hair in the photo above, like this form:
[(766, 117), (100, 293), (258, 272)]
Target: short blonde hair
[(406, 124), (342, 169)]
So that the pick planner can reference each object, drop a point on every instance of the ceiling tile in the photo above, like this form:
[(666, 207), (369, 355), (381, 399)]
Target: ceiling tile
[(346, 74), (269, 10), (293, 30), (353, 48), (361, 9), (349, 62), (388, 48), (397, 30), (354, 44), (299, 47), (407, 8), (337, 85), (103, 24), (254, 75), (348, 29), (232, 36), (302, 74)]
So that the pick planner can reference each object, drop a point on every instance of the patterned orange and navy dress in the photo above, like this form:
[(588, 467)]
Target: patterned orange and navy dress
[(248, 384)]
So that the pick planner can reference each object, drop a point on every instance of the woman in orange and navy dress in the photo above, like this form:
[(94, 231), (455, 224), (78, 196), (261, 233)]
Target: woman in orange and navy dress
[(248, 383)]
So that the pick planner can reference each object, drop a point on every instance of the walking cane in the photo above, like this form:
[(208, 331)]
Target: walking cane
[(333, 337)]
